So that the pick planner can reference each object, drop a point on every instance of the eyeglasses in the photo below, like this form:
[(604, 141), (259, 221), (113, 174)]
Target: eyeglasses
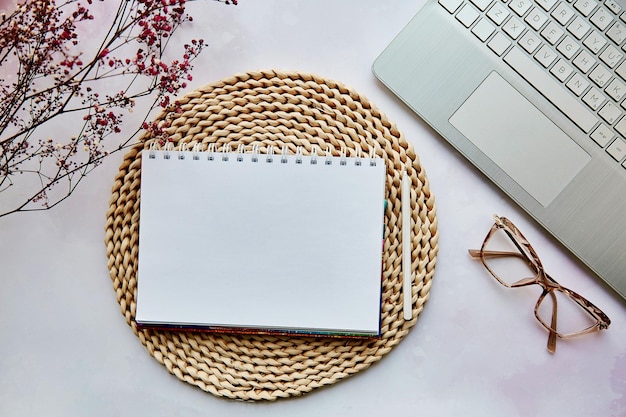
[(513, 262)]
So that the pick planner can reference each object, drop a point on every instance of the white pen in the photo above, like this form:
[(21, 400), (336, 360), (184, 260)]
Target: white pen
[(407, 281)]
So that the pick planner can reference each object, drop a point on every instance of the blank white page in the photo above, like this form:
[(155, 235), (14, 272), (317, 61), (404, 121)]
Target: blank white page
[(293, 247)]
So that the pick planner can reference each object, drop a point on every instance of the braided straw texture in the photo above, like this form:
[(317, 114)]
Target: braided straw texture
[(275, 109)]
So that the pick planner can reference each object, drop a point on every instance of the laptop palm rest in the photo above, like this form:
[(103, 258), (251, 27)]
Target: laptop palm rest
[(521, 140)]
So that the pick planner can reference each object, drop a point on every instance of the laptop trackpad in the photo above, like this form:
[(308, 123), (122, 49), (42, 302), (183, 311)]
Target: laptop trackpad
[(520, 139)]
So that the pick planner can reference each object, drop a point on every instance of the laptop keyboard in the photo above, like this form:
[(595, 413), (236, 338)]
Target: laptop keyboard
[(572, 52)]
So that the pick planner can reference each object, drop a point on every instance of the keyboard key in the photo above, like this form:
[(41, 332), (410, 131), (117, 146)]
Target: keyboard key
[(584, 61), (562, 70), (617, 149), (467, 15), (530, 42), (499, 43), (520, 6), (514, 27), (536, 18), (594, 98), (617, 33), (483, 29), (611, 56), (602, 135), (621, 70), (602, 18), (568, 47), (616, 90), (552, 33), (578, 84), (601, 76), (585, 6), (481, 4), (546, 4), (621, 126), (595, 42), (579, 27), (451, 5), (551, 89), (613, 6), (563, 13), (498, 13), (545, 56), (610, 113)]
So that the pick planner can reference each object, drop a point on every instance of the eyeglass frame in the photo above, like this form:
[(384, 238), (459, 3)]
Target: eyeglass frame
[(544, 280)]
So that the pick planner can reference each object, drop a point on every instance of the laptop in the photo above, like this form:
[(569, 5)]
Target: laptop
[(533, 94)]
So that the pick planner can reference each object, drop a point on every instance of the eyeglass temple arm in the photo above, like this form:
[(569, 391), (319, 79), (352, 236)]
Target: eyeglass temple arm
[(553, 334), (476, 253)]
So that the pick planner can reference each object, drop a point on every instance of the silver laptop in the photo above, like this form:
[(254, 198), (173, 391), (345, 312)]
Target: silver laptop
[(533, 92)]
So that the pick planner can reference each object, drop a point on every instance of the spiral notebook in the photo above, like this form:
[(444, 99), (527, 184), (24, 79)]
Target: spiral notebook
[(271, 243)]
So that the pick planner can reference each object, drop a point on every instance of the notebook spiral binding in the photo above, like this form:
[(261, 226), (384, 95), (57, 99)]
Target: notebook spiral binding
[(211, 153)]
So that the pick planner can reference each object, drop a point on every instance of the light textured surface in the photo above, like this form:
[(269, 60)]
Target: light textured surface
[(476, 349), (277, 109)]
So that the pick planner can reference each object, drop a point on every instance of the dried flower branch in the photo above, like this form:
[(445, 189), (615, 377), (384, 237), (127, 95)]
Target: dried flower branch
[(47, 74)]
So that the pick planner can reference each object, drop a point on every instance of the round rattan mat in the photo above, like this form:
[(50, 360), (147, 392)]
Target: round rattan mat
[(275, 109)]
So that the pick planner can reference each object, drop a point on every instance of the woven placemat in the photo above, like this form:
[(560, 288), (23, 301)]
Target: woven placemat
[(275, 109)]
